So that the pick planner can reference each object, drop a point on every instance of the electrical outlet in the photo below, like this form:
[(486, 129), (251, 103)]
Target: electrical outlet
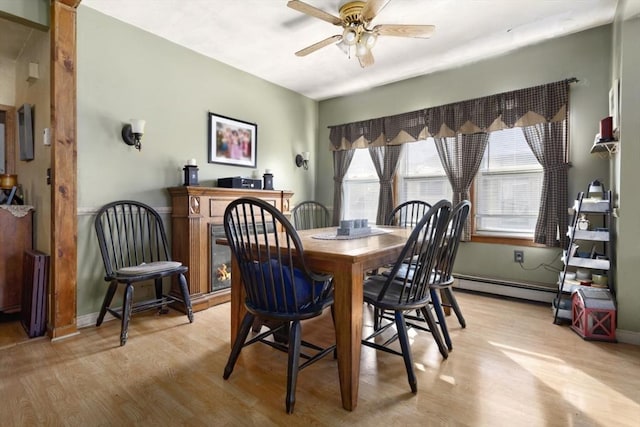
[(518, 256)]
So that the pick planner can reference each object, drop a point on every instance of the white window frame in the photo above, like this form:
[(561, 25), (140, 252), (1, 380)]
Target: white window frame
[(402, 175), (348, 210), (507, 172)]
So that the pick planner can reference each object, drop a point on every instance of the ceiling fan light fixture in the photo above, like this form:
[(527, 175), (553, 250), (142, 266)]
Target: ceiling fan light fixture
[(350, 36), (345, 48), (369, 39), (361, 49)]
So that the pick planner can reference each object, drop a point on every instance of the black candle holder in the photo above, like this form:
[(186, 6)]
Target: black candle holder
[(190, 175)]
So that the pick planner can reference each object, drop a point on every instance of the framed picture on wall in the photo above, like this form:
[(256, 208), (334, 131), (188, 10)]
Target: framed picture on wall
[(232, 141)]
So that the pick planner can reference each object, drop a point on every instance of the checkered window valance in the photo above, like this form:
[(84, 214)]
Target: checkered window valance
[(520, 108)]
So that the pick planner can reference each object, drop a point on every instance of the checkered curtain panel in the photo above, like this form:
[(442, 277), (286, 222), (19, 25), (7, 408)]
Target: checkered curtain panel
[(548, 141), (341, 162), (385, 159), (461, 156)]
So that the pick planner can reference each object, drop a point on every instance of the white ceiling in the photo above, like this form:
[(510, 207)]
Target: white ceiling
[(261, 36)]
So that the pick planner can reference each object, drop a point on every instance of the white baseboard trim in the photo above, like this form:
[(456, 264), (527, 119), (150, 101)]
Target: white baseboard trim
[(509, 290), (628, 337), (87, 320), (530, 293)]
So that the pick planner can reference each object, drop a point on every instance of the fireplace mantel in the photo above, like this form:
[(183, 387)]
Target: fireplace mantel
[(195, 210)]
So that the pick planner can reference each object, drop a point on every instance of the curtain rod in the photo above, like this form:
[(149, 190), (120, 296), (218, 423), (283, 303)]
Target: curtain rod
[(572, 80)]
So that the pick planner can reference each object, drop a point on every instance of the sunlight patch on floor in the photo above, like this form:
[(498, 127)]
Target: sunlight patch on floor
[(592, 397)]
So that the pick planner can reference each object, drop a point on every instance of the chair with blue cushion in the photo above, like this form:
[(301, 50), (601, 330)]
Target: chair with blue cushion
[(441, 281), (400, 294), (280, 289), (134, 250), (406, 214)]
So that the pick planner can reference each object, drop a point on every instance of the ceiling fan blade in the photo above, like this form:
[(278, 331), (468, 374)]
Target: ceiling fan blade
[(307, 9), (310, 49), (366, 60), (419, 31), (372, 8)]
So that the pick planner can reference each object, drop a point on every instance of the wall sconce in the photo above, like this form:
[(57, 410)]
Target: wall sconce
[(303, 160), (132, 132)]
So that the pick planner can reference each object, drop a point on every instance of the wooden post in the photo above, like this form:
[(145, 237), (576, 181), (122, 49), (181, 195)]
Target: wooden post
[(63, 283)]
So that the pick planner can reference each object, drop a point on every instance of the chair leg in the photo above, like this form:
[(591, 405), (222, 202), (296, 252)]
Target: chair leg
[(377, 314), (454, 304), (111, 291), (184, 290), (433, 327), (437, 306), (245, 326), (164, 309), (401, 327), (257, 325), (292, 368), (126, 313)]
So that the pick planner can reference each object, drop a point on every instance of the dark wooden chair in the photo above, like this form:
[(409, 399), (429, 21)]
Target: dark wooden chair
[(397, 294), (407, 214), (441, 281), (134, 249), (280, 289), (310, 214)]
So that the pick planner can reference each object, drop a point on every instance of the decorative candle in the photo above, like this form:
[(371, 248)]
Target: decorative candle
[(191, 162)]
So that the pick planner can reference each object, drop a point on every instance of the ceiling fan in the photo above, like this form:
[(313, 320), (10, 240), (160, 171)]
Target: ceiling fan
[(357, 35)]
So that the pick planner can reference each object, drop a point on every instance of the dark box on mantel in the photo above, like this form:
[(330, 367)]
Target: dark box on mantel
[(240, 182)]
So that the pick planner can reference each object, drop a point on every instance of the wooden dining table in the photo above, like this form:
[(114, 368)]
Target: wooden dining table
[(347, 261)]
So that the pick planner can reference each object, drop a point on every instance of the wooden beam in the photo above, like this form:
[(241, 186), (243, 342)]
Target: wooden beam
[(71, 3), (63, 284)]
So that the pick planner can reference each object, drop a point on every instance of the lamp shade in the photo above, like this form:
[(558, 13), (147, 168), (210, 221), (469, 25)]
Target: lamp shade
[(361, 49), (595, 190), (368, 39), (137, 125), (349, 36)]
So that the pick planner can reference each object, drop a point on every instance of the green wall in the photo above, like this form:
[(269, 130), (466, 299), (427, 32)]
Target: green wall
[(34, 13), (584, 55), (125, 72), (627, 175)]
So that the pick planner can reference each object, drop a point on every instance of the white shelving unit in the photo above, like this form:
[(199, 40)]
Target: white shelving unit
[(605, 149), (597, 239)]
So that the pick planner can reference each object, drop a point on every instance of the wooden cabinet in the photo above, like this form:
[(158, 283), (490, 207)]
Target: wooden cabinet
[(196, 222), (15, 237)]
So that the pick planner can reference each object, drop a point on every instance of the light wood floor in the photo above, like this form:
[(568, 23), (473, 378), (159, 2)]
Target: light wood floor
[(511, 366)]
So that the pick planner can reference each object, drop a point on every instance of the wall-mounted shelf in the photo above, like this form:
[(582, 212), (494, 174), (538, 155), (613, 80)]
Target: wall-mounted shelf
[(605, 149)]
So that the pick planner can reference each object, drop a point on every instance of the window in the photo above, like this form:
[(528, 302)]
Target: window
[(361, 188), (421, 175), (507, 187)]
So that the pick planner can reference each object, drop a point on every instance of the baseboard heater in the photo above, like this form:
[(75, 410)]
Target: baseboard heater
[(520, 290), (34, 293)]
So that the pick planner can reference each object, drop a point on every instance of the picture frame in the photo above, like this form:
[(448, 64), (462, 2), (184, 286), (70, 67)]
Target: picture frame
[(232, 142)]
